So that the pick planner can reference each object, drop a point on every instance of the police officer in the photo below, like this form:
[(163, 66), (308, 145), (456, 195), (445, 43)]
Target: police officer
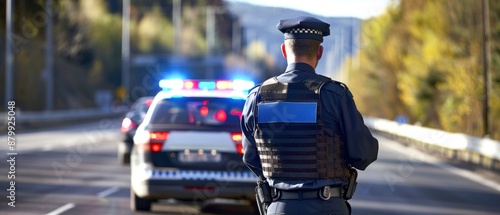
[(302, 131)]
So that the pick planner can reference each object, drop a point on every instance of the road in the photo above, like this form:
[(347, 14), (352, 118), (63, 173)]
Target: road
[(74, 170)]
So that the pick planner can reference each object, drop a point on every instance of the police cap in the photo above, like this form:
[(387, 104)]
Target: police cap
[(304, 27)]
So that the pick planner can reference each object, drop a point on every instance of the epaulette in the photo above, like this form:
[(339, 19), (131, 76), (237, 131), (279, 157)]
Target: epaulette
[(341, 84), (344, 86), (336, 82)]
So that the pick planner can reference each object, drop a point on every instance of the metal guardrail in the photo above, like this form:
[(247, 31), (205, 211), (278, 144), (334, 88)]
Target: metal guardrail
[(455, 146), (42, 118)]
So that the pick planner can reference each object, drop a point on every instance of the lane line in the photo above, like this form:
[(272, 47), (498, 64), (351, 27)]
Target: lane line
[(62, 209), (470, 175), (39, 142), (396, 146), (47, 148), (108, 192), (414, 208)]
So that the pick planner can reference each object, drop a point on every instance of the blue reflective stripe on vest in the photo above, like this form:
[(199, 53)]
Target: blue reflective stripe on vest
[(288, 112)]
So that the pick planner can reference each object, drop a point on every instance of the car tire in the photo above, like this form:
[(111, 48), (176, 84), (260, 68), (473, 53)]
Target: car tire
[(124, 158), (253, 206), (139, 204)]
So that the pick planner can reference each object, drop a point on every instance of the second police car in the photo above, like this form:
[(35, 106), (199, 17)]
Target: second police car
[(189, 145), (130, 122)]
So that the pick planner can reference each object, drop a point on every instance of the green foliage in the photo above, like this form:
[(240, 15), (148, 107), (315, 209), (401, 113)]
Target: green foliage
[(155, 32), (495, 66), (103, 30), (30, 74), (377, 43), (87, 44), (424, 59), (193, 38)]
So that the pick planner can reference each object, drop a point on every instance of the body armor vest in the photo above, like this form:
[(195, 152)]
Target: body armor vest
[(292, 140)]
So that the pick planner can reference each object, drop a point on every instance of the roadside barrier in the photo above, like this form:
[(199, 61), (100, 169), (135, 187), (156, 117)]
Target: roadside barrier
[(454, 146), (32, 119)]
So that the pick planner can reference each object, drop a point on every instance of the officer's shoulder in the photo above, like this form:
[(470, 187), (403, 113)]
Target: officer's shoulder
[(338, 88), (335, 86)]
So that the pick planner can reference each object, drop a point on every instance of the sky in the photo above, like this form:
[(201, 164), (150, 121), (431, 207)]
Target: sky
[(362, 9)]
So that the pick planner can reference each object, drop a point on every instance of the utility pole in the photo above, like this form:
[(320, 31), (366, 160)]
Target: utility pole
[(126, 47), (236, 41), (177, 19), (356, 44), (210, 29), (9, 58), (210, 40), (486, 67), (343, 70), (49, 61)]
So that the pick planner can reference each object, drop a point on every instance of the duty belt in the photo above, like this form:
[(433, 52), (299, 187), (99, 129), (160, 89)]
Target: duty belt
[(324, 193)]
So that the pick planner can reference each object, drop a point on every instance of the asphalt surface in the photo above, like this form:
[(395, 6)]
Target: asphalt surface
[(74, 170)]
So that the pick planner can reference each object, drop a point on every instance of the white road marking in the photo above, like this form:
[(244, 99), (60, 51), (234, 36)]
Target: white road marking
[(108, 192), (62, 209), (414, 208), (47, 148), (393, 145)]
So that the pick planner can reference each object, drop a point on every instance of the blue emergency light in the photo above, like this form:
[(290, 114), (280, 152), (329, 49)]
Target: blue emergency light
[(179, 84), (235, 88), (173, 84)]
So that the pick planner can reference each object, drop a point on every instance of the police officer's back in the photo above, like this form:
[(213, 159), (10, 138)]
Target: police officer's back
[(302, 131)]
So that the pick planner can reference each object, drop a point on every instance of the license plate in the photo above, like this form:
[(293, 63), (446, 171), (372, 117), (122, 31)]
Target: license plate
[(197, 157)]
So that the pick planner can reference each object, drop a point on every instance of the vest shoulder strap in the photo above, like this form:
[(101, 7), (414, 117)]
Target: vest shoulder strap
[(272, 80)]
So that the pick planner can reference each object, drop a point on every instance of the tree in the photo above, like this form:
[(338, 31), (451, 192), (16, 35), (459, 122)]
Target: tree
[(423, 58)]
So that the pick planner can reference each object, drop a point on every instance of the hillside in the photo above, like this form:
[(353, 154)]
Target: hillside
[(260, 24)]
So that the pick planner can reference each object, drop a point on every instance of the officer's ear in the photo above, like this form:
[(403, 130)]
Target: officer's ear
[(319, 54), (283, 50)]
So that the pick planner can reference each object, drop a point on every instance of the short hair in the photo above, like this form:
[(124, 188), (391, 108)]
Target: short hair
[(303, 47)]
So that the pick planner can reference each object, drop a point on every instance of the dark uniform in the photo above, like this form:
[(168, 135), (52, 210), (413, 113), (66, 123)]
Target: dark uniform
[(302, 132)]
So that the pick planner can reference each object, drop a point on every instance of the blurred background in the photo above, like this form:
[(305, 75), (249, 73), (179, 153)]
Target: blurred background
[(75, 67), (422, 59)]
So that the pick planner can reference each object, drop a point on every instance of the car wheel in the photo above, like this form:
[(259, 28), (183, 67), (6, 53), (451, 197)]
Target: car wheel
[(124, 158), (139, 204), (254, 206)]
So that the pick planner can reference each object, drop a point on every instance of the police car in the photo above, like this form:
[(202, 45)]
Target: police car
[(129, 125), (189, 144)]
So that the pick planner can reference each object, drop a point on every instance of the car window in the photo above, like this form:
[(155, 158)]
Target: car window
[(143, 108), (141, 105), (139, 109), (198, 111)]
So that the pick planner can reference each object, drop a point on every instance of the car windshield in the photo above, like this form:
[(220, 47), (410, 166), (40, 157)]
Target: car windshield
[(198, 111), (139, 108)]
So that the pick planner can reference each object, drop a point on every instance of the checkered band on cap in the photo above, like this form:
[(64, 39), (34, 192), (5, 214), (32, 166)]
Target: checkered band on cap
[(304, 31)]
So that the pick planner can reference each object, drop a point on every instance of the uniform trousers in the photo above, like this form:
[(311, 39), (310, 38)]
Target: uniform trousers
[(315, 206)]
